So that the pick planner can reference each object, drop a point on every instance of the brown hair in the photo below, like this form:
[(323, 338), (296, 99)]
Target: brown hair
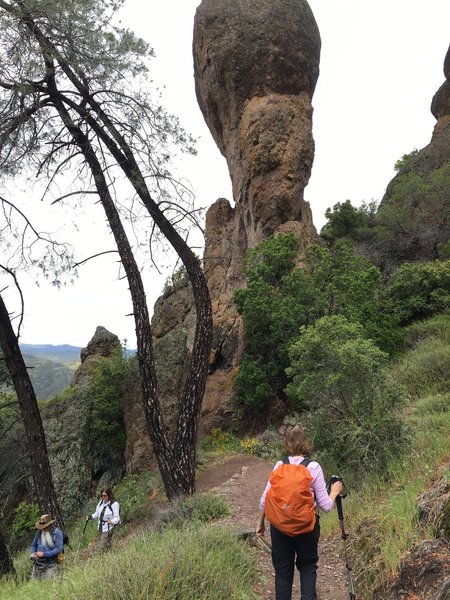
[(296, 443), (107, 490)]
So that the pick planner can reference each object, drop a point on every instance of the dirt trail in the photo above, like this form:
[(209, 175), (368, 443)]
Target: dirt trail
[(240, 479)]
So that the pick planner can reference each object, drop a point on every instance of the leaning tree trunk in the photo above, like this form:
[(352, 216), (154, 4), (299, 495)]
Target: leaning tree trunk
[(176, 461), (31, 417)]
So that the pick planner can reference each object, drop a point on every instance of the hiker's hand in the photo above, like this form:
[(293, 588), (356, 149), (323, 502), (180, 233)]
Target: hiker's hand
[(88, 518), (109, 522), (336, 489), (260, 528), (39, 554)]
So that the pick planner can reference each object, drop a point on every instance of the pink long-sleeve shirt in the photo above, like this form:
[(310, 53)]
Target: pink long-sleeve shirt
[(318, 485)]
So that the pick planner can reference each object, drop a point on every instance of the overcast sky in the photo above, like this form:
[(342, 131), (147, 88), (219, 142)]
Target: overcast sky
[(381, 63)]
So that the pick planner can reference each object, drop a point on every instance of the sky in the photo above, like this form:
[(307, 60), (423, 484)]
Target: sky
[(381, 63)]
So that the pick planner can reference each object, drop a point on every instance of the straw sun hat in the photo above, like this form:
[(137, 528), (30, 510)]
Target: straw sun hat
[(44, 521)]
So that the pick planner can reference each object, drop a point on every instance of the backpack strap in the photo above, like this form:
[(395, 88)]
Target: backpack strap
[(305, 462)]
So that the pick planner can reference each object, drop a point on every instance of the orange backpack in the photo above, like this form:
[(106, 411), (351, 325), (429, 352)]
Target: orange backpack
[(289, 502)]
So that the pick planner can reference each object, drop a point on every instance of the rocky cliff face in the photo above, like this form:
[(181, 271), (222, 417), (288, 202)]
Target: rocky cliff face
[(427, 214), (79, 461), (256, 65)]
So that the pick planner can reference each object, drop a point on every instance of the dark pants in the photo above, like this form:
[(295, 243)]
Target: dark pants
[(301, 550)]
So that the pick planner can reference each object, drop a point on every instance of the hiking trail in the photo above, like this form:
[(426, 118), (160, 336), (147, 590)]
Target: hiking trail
[(240, 480)]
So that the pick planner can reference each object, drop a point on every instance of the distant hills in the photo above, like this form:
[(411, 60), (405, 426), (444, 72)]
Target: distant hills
[(63, 353), (51, 368)]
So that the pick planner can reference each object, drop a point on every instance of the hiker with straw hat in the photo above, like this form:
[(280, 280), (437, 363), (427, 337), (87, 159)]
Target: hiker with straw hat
[(46, 545)]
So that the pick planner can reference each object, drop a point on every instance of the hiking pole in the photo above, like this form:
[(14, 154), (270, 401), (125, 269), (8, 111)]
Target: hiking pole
[(344, 535), (81, 537)]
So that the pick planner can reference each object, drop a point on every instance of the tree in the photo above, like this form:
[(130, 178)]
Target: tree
[(37, 447), (75, 100), (282, 296), (340, 377)]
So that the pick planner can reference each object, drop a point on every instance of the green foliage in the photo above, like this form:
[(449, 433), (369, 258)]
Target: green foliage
[(190, 563), (414, 222), (255, 382), (418, 290), (9, 408), (340, 376), (425, 368), (106, 391), (280, 297), (199, 508), (23, 525), (346, 221), (133, 493), (5, 377), (405, 160), (384, 510), (267, 445), (25, 517)]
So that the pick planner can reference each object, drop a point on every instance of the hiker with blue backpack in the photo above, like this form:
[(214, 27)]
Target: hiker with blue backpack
[(45, 549), (295, 491), (108, 514)]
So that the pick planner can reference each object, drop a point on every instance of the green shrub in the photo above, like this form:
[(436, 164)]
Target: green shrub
[(106, 391), (133, 494), (414, 222), (219, 441), (418, 291), (340, 377), (425, 368), (280, 297), (199, 508), (267, 445), (23, 526), (345, 221)]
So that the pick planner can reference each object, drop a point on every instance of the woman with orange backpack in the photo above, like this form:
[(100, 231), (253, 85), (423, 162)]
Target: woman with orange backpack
[(293, 494)]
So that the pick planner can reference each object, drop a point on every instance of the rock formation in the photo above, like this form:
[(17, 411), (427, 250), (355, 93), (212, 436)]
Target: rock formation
[(256, 65), (102, 344), (79, 460), (427, 216)]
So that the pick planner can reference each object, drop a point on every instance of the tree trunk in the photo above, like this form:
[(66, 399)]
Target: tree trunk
[(176, 462), (34, 431)]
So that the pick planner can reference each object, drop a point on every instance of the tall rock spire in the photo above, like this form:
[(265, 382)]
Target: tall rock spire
[(256, 64)]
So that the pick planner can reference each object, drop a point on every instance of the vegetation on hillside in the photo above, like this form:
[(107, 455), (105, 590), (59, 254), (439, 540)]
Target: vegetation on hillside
[(412, 224), (316, 327), (182, 556), (381, 510)]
